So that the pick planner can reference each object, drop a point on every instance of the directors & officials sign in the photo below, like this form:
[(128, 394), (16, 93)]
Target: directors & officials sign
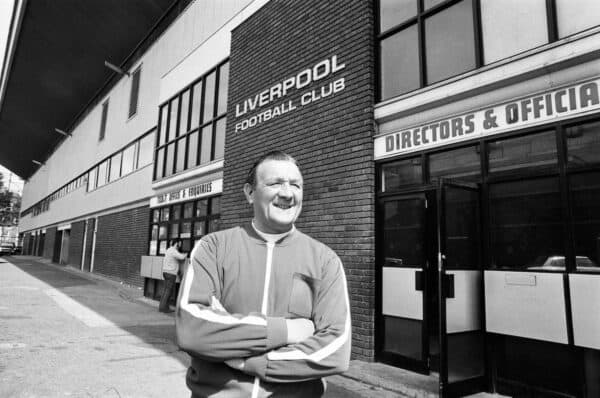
[(569, 101)]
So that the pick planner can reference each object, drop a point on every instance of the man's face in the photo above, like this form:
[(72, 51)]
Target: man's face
[(277, 196)]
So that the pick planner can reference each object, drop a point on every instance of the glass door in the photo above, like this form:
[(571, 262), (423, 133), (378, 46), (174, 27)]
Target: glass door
[(462, 365), (403, 282)]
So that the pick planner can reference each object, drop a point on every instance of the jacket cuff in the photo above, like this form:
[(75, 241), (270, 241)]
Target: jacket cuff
[(276, 332), (256, 366)]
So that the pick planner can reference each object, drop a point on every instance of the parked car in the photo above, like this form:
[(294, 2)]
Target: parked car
[(6, 248), (18, 249)]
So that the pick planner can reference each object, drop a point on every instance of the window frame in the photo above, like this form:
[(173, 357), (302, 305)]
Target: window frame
[(103, 120), (419, 20), (206, 219), (563, 171), (134, 93), (191, 127)]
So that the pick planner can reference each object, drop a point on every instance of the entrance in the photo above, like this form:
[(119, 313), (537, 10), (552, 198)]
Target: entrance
[(431, 284)]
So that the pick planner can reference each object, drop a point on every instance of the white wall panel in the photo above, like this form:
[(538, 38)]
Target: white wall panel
[(399, 297), (585, 307), (524, 304), (463, 311)]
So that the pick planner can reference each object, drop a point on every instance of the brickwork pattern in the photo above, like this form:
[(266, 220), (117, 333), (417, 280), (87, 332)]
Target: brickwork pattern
[(49, 242), (121, 240), (76, 243), (332, 138)]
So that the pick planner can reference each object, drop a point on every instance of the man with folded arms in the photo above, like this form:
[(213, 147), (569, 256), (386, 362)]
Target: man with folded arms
[(263, 309)]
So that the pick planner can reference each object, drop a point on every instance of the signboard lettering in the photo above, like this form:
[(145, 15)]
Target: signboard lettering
[(302, 79), (193, 192), (550, 106)]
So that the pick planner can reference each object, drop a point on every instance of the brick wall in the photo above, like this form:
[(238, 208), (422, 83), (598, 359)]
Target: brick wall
[(49, 242), (120, 241), (76, 243), (332, 138)]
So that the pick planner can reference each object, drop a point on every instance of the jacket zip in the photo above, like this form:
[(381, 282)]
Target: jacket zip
[(265, 301)]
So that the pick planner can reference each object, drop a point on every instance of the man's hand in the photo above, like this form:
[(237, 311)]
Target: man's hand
[(299, 330)]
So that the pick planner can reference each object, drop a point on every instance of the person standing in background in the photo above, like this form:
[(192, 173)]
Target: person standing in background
[(171, 267)]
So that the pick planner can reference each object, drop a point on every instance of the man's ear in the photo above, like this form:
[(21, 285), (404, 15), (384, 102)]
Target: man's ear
[(248, 191)]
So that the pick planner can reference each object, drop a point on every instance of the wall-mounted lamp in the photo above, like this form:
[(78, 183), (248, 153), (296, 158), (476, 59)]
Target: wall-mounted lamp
[(38, 163), (59, 131), (115, 68)]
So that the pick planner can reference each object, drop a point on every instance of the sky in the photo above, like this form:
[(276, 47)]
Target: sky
[(6, 6)]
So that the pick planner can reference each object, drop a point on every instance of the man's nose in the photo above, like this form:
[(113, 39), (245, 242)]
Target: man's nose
[(285, 190)]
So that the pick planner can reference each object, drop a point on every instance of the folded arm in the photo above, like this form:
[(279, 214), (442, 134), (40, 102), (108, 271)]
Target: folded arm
[(206, 330), (325, 352)]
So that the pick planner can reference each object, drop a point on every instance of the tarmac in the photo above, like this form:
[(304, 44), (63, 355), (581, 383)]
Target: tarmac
[(70, 333)]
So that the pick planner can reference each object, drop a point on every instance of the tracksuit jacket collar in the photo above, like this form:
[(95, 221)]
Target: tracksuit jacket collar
[(286, 240)]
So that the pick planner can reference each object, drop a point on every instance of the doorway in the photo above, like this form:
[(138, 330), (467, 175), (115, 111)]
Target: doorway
[(430, 278)]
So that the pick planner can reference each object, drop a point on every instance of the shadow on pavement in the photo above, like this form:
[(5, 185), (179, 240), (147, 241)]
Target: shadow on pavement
[(115, 304)]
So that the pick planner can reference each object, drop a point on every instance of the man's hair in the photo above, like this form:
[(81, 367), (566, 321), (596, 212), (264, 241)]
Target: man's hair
[(173, 242), (273, 155)]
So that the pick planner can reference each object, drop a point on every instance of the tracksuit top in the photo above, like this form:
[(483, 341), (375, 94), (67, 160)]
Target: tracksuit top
[(235, 297)]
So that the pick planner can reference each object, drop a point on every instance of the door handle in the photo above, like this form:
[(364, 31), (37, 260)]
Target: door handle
[(419, 280)]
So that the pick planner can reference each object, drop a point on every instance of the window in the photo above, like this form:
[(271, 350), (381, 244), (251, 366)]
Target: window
[(173, 113), (526, 226), (92, 179), (220, 139), (102, 173), (410, 60), (115, 166), (422, 42), (401, 173), (145, 152), (103, 120), (585, 193), (531, 151), (206, 145), (449, 42), (196, 101), (128, 159), (209, 98), (583, 144), (192, 156), (223, 87), (192, 125), (188, 221), (506, 32), (393, 12), (400, 52), (164, 118), (135, 90), (575, 16), (180, 164), (463, 164), (184, 117)]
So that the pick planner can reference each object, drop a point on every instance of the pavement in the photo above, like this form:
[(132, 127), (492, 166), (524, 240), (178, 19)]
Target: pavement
[(70, 333)]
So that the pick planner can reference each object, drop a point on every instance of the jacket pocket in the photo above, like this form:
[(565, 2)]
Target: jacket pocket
[(304, 290)]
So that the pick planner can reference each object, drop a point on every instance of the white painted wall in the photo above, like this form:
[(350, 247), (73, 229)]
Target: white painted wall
[(83, 150)]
